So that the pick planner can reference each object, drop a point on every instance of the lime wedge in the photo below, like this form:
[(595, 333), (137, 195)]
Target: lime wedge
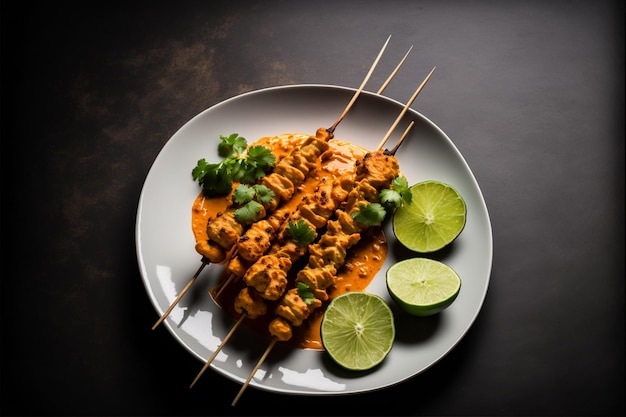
[(358, 330), (433, 219), (423, 287)]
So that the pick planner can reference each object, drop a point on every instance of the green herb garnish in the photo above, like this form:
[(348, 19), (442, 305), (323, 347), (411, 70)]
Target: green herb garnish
[(238, 165), (306, 293), (250, 199), (301, 232), (397, 194), (233, 144), (370, 214), (248, 212)]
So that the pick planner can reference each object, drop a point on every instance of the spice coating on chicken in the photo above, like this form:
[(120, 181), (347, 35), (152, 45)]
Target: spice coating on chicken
[(294, 309), (378, 169), (211, 251), (249, 303), (268, 276), (225, 230), (280, 329)]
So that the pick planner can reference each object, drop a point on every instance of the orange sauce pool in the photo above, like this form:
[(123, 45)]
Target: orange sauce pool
[(364, 260)]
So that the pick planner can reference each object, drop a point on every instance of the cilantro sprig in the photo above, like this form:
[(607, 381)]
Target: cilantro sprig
[(370, 214), (306, 293), (240, 164), (233, 144), (390, 199), (250, 200), (398, 194), (301, 232)]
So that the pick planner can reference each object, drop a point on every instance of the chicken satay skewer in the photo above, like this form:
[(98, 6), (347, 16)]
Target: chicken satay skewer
[(275, 339), (327, 209), (231, 277), (330, 130), (320, 206)]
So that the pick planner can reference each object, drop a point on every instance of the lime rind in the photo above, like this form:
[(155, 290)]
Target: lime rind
[(434, 218), (358, 330)]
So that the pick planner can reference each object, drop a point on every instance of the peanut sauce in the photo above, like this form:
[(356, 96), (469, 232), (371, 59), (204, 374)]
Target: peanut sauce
[(364, 260)]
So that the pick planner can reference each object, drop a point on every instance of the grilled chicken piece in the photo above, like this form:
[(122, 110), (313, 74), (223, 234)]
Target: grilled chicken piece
[(237, 266), (268, 276), (249, 303), (344, 184), (290, 249), (344, 224), (255, 241), (282, 187), (361, 193), (294, 309), (211, 251), (280, 329), (318, 279), (294, 174), (224, 230), (258, 238), (332, 248), (378, 169)]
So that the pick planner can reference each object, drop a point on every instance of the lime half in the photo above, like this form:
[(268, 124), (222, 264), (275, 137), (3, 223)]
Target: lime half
[(422, 286), (433, 219), (358, 330)]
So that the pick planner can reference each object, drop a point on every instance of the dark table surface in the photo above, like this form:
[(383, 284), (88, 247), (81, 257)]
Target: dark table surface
[(532, 94)]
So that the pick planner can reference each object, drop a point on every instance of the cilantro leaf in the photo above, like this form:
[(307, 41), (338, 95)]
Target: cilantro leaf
[(213, 178), (301, 232), (401, 185), (370, 214), (233, 144), (398, 194), (243, 193), (248, 212), (261, 156), (263, 194), (305, 292), (390, 197)]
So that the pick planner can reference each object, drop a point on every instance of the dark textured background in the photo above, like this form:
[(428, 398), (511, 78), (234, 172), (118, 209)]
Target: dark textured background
[(532, 93)]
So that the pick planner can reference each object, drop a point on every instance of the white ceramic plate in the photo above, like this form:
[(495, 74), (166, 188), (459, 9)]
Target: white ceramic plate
[(167, 259)]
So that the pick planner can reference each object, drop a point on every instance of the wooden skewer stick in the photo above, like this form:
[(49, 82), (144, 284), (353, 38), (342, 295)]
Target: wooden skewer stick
[(219, 348), (185, 289), (406, 107), (360, 89), (404, 135), (256, 368), (222, 287), (393, 74)]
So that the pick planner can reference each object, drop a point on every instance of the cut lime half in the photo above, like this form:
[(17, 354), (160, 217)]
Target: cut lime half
[(358, 330), (422, 286), (433, 219)]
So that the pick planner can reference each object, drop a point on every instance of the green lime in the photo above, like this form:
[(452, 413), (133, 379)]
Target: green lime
[(358, 330), (433, 219), (422, 286)]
